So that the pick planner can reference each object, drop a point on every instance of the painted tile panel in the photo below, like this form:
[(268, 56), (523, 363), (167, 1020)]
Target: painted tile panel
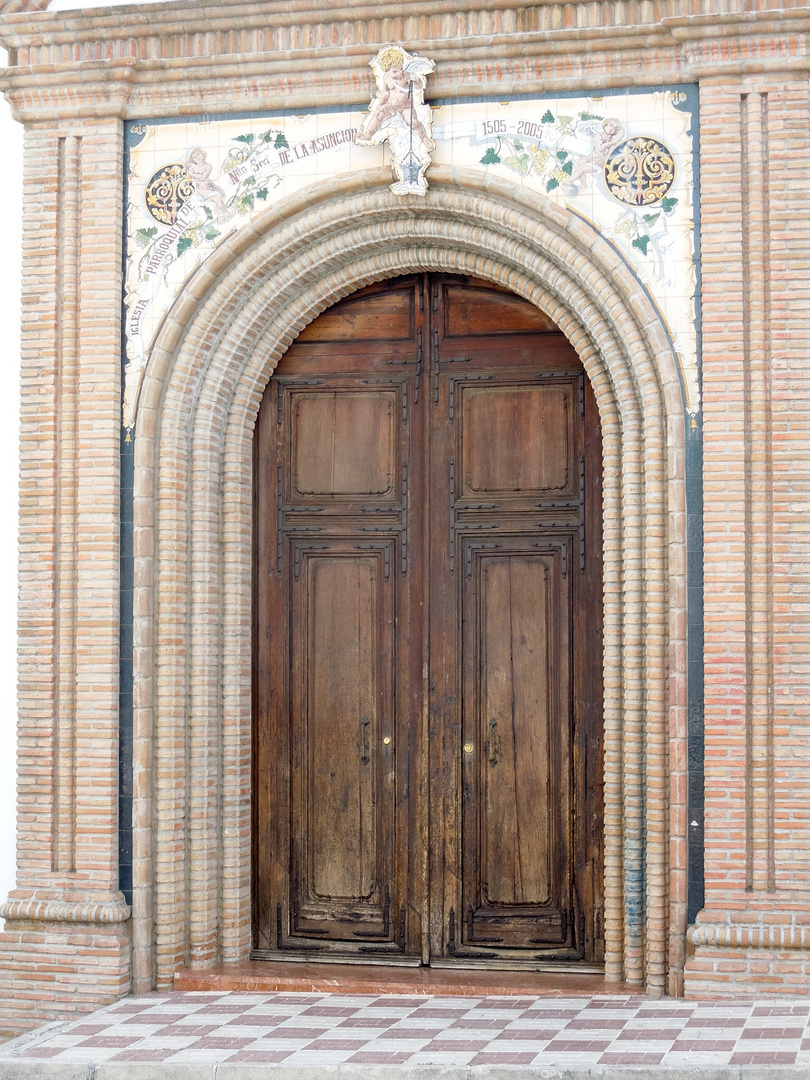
[(623, 161)]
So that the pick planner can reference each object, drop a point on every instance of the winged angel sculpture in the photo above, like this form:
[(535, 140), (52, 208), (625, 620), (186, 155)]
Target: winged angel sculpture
[(398, 114)]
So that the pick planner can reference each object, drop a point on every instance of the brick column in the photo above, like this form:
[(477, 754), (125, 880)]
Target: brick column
[(755, 210), (65, 947)]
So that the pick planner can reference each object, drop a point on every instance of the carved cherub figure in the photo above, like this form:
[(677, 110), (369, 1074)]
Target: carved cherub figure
[(398, 114), (400, 80)]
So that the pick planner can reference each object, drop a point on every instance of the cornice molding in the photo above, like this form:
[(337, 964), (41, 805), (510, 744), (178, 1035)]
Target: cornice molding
[(206, 16), (795, 19), (265, 87), (25, 25), (215, 57)]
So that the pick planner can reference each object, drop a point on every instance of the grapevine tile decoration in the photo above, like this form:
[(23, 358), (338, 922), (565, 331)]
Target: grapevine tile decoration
[(322, 1029), (622, 162)]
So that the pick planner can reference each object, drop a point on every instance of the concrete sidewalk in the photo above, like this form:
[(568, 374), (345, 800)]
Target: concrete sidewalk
[(307, 1036)]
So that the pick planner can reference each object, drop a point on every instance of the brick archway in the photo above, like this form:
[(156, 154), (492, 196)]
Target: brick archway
[(193, 487)]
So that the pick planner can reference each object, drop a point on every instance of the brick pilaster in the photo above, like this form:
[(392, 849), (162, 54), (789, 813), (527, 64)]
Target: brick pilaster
[(65, 946), (754, 930)]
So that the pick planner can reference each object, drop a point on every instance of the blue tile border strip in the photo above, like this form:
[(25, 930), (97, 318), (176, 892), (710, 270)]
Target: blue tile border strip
[(125, 672), (694, 652)]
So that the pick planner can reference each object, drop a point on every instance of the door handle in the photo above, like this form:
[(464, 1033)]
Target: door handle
[(493, 747), (364, 753)]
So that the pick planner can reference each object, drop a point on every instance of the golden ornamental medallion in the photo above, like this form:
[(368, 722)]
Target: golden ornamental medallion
[(167, 192), (640, 171)]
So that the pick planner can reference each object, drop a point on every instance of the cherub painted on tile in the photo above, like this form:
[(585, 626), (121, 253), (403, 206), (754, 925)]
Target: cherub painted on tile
[(605, 139), (398, 114), (199, 169)]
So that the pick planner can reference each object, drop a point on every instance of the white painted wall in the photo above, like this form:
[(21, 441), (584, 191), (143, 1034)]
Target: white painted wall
[(11, 202)]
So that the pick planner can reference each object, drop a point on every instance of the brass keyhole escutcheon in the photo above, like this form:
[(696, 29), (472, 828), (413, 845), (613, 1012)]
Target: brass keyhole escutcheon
[(468, 748)]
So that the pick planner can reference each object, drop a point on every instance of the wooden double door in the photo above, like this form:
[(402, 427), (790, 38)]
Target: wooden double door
[(427, 665)]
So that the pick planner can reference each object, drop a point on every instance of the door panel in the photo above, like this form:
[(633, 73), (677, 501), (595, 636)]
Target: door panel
[(517, 832), (508, 595), (341, 707), (469, 310), (517, 439), (345, 443), (337, 834), (515, 712), (427, 672), (361, 318)]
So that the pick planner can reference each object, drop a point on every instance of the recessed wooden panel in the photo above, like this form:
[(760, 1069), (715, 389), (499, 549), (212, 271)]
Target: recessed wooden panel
[(340, 656), (517, 723), (387, 316), (515, 728), (344, 443), (483, 312), (516, 439)]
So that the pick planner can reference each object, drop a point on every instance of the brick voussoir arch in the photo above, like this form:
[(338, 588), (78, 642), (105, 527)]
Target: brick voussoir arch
[(193, 489)]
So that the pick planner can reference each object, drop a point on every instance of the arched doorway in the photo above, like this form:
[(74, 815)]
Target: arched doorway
[(194, 542), (428, 636)]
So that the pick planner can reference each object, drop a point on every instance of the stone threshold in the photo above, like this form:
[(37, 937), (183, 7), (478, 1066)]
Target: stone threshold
[(270, 976)]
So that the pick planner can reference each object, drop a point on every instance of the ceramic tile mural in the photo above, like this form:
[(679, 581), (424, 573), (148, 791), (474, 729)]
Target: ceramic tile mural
[(624, 162)]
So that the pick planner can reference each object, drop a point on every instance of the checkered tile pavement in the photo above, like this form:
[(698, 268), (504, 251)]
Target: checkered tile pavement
[(331, 1029)]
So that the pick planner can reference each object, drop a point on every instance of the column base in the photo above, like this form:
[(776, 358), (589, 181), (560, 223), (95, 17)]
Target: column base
[(60, 959), (748, 953)]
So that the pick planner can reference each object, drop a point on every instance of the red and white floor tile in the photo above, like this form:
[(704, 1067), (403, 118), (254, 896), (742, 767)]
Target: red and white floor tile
[(330, 1029)]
